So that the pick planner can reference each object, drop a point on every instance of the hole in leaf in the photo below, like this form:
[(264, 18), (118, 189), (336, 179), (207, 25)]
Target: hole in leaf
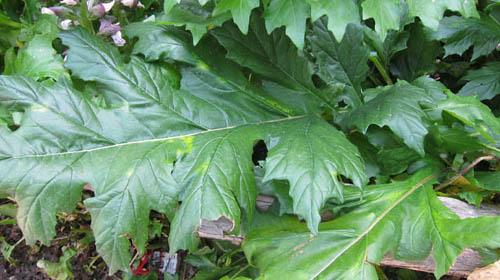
[(13, 127), (259, 152)]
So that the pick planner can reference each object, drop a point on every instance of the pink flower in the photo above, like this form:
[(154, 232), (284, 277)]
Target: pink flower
[(66, 24), (100, 9), (117, 39), (107, 28), (47, 11), (58, 11)]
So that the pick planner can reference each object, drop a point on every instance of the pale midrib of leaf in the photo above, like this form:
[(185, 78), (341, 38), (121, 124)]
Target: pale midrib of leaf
[(377, 220), (156, 140)]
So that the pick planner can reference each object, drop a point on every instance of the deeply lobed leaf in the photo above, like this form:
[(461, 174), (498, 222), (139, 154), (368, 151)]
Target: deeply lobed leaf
[(344, 246), (148, 147)]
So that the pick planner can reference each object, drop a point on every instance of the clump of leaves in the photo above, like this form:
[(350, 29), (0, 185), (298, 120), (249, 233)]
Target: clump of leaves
[(169, 123)]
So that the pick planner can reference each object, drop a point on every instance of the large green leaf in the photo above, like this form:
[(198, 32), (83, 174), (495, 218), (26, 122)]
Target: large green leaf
[(459, 34), (344, 63), (66, 141), (344, 246), (210, 71), (150, 146), (324, 151), (396, 107), (485, 82), (286, 72)]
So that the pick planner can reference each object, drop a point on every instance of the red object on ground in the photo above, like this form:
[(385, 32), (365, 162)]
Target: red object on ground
[(141, 270)]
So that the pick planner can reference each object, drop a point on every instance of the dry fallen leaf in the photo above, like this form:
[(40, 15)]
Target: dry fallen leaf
[(489, 272)]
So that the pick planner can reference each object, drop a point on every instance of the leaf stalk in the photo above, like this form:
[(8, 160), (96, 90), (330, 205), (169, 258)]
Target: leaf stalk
[(381, 69)]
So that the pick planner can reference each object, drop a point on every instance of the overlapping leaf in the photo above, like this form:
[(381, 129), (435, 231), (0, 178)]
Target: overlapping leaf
[(344, 246), (396, 107), (293, 14), (459, 34), (209, 70), (386, 14), (471, 112), (37, 58), (484, 82), (286, 72), (240, 9), (127, 149), (323, 166), (431, 11), (344, 64), (340, 13), (420, 56), (197, 18)]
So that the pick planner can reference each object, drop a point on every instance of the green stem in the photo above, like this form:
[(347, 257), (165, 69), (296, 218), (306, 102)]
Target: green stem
[(493, 148), (7, 22), (18, 242), (375, 80), (240, 271), (84, 19), (381, 70)]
